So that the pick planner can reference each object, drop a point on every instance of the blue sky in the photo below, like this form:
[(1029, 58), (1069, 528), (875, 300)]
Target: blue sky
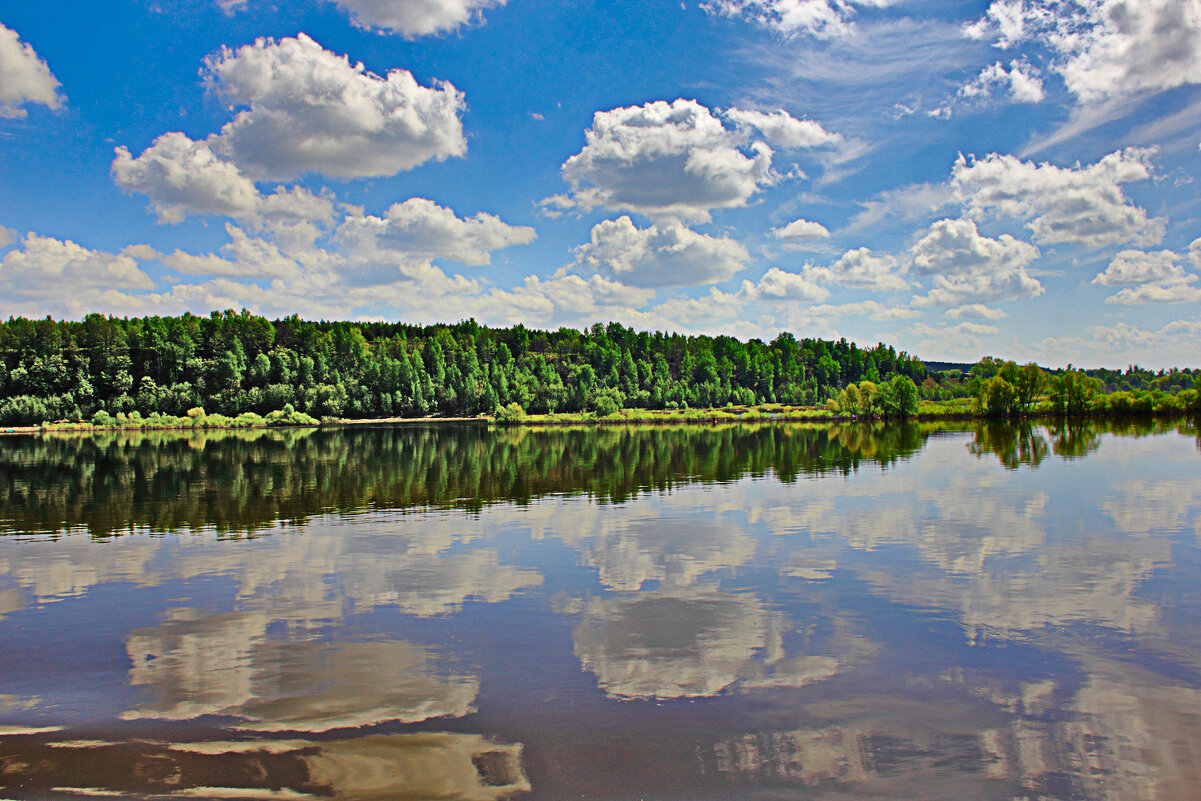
[(958, 178)]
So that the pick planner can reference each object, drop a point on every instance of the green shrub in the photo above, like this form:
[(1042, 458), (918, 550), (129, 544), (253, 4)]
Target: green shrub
[(513, 413)]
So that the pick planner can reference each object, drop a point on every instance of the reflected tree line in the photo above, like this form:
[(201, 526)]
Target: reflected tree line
[(241, 481), (238, 481), (1022, 442)]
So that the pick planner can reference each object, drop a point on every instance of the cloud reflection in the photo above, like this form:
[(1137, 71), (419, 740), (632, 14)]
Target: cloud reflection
[(224, 664)]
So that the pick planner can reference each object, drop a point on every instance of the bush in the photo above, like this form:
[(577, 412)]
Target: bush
[(103, 419), (513, 413), (288, 416)]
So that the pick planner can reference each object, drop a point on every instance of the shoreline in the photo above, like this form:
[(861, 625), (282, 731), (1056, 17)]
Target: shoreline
[(710, 417)]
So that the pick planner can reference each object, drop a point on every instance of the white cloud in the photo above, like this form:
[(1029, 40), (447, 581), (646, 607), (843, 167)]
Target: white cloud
[(1104, 48), (1021, 82), (969, 266), (245, 257), (956, 247), (1132, 267), (419, 229), (564, 298), (666, 160), (1010, 22), (1078, 205), (309, 110), (1179, 336), (7, 236), (1157, 293), (976, 311), (412, 18), (777, 284), (46, 274), (1149, 277), (659, 256), (822, 19), (230, 6), (24, 77), (861, 269), (801, 229), (782, 130), (183, 177)]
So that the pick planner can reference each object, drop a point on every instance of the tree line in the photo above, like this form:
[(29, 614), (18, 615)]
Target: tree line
[(231, 363)]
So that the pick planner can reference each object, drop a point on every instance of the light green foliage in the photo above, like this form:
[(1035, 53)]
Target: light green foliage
[(1072, 392), (513, 413)]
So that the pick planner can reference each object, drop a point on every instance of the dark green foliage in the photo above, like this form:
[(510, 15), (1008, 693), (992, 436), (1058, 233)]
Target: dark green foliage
[(232, 363)]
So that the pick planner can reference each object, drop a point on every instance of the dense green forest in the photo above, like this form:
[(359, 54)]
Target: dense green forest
[(232, 363)]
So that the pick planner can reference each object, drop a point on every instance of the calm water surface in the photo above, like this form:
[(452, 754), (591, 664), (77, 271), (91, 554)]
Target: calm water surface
[(457, 613)]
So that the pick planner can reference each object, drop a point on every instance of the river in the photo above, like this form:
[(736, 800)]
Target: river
[(917, 611)]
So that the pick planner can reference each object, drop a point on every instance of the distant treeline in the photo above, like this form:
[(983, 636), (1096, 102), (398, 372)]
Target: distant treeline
[(231, 363), (236, 363)]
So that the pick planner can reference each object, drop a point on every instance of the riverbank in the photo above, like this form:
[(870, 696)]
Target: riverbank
[(955, 410)]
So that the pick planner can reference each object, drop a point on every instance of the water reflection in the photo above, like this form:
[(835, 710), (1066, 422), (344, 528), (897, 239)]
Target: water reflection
[(688, 644), (243, 482), (990, 611), (455, 767), (225, 664)]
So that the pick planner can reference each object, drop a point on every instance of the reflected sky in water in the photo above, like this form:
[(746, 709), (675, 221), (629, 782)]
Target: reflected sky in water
[(920, 612)]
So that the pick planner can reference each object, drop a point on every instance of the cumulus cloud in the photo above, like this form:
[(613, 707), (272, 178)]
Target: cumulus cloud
[(7, 236), (1178, 337), (1132, 267), (1078, 205), (413, 18), (183, 177), (1020, 82), (1104, 48), (821, 19), (976, 311), (956, 247), (1149, 278), (667, 160), (861, 269), (24, 77), (659, 256), (679, 160), (309, 110), (782, 130), (799, 230), (1157, 293), (780, 285), (44, 273), (969, 266), (245, 256), (419, 229)]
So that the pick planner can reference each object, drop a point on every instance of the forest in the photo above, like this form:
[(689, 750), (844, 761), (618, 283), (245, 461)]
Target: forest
[(237, 363), (231, 362)]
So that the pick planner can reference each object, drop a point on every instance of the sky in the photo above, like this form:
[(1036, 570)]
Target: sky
[(957, 178)]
